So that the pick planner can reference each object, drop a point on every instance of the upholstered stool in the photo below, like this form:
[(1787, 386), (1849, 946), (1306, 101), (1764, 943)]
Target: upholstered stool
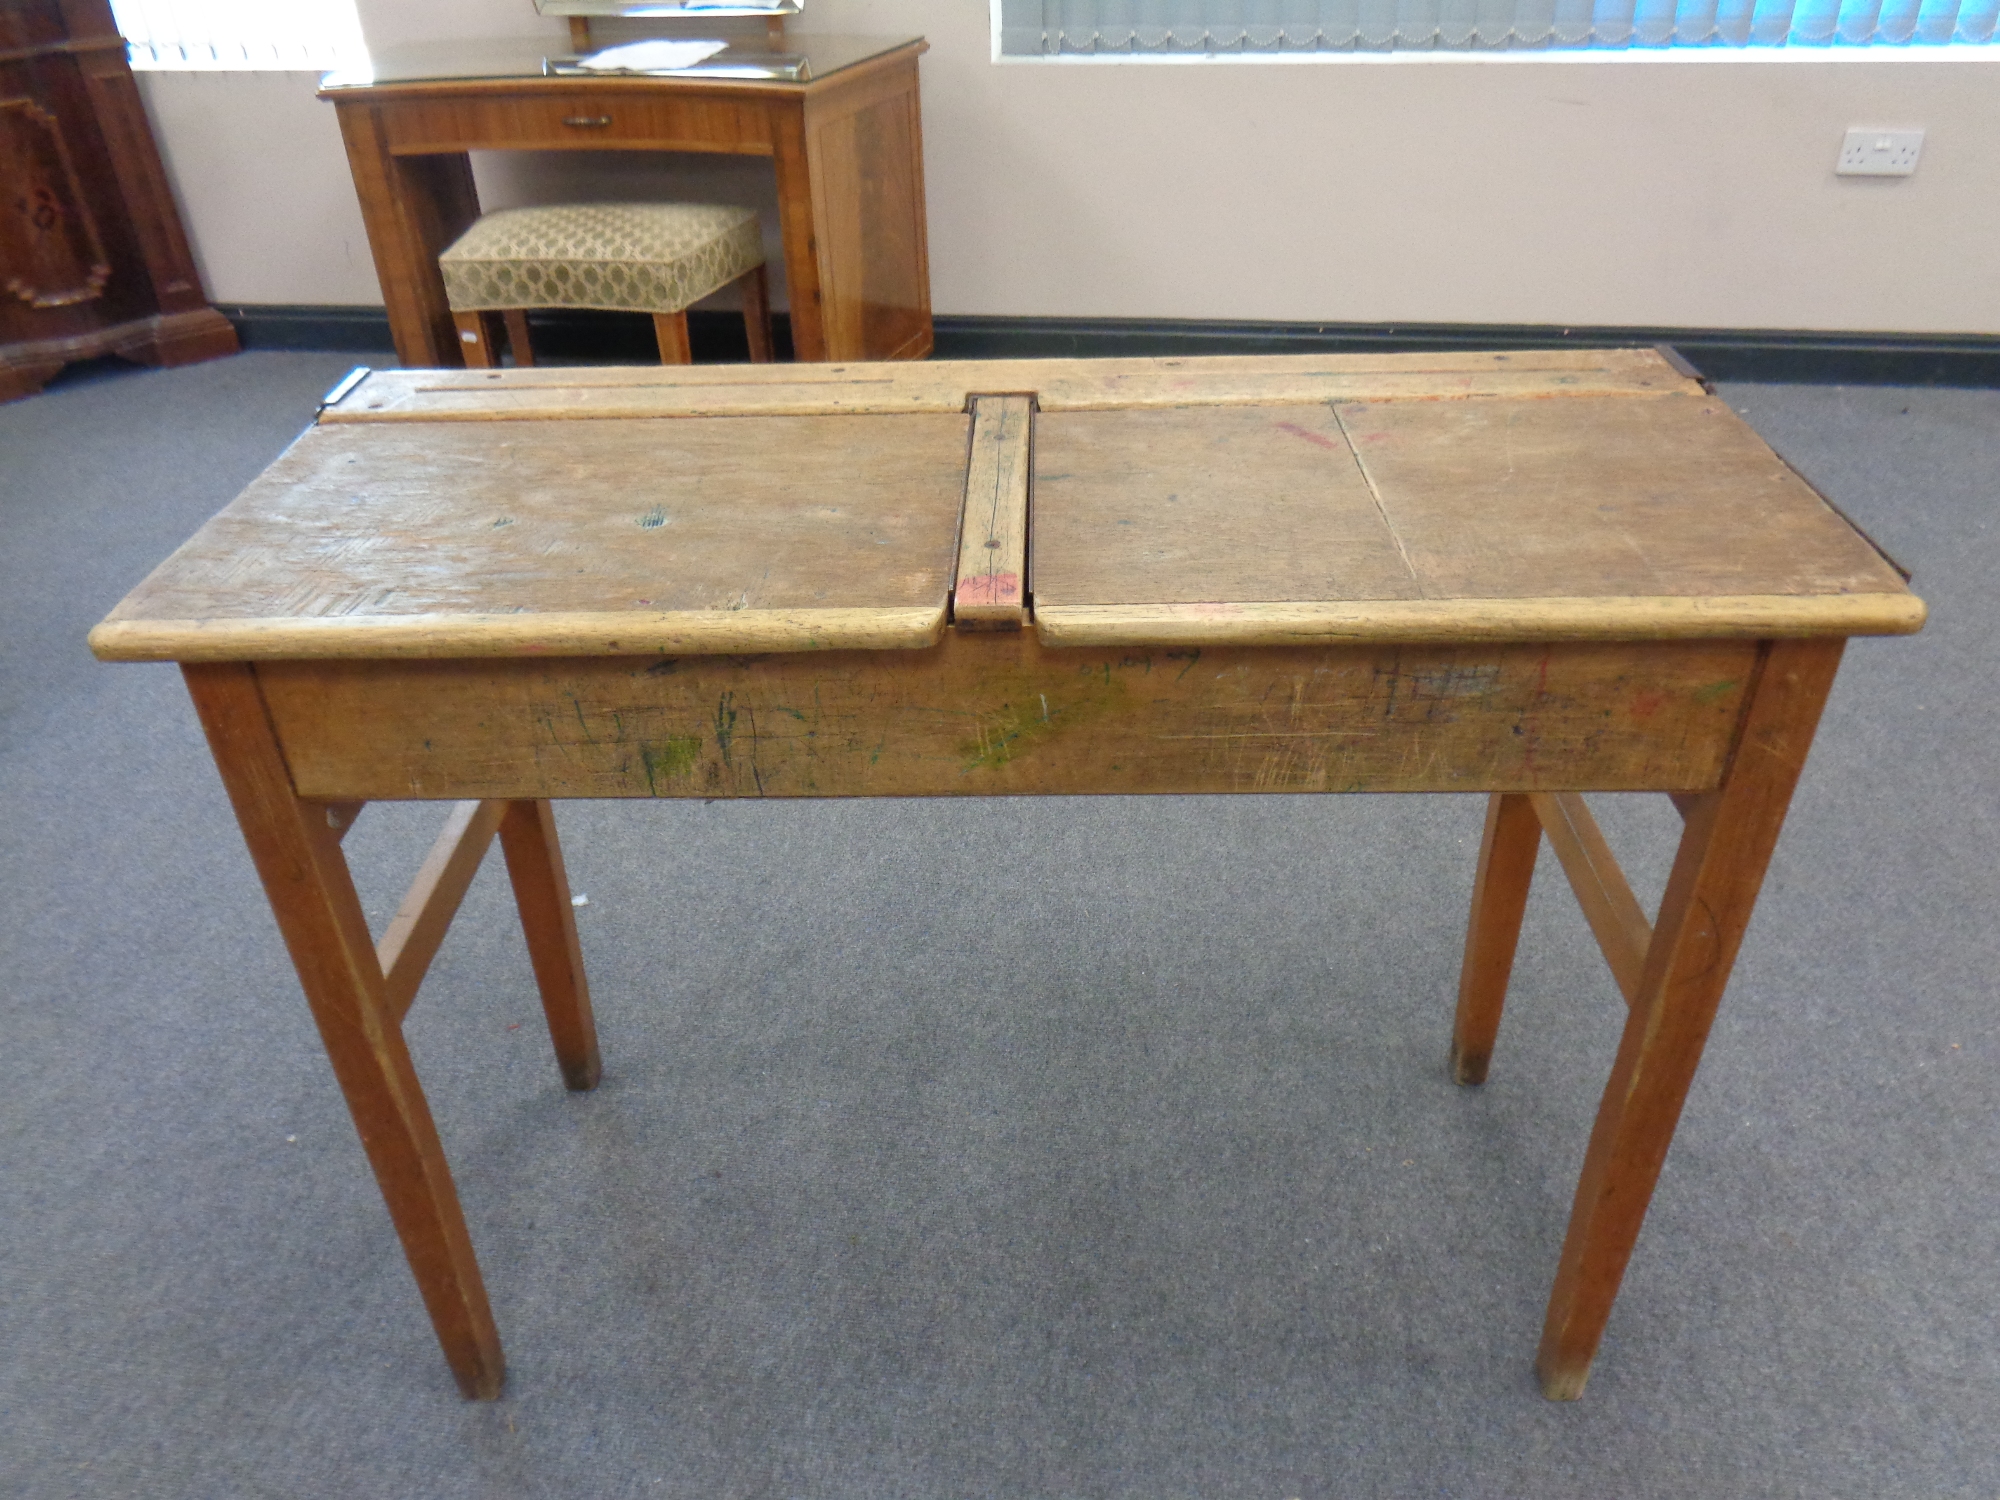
[(617, 257)]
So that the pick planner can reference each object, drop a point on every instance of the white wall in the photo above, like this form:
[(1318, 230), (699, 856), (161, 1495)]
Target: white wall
[(1690, 193), (258, 170)]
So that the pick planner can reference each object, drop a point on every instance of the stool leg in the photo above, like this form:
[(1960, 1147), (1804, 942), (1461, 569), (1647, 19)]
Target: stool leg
[(1499, 898), (756, 289), (516, 319), (476, 340), (671, 329), (1723, 853), (541, 890), (297, 854)]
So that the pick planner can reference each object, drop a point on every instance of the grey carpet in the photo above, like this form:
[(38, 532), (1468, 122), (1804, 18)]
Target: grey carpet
[(1071, 1148)]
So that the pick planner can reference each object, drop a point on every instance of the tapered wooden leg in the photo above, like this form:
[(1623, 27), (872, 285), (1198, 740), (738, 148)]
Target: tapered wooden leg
[(516, 319), (756, 288), (476, 340), (541, 889), (671, 329), (1724, 850), (1499, 899), (296, 849)]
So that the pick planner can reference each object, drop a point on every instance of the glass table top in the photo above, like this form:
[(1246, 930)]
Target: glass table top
[(804, 59)]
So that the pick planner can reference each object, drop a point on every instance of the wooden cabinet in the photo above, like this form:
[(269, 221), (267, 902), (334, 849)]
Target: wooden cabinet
[(92, 257)]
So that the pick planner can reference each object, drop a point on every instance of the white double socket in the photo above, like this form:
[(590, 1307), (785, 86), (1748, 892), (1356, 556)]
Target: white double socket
[(1880, 153)]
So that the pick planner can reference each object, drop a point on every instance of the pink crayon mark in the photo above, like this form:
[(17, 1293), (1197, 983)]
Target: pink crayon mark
[(990, 588), (1312, 437), (1646, 704)]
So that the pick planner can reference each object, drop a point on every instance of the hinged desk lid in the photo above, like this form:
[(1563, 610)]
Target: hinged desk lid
[(1557, 495), (1628, 516), (469, 538)]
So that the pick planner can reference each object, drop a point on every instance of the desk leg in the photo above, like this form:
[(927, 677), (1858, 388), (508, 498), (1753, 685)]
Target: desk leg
[(1499, 900), (297, 854), (1720, 865), (541, 890)]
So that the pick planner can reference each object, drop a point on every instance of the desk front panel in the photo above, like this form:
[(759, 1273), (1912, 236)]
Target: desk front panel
[(1000, 715)]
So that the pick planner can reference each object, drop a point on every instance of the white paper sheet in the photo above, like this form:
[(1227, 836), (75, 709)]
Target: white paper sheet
[(657, 56)]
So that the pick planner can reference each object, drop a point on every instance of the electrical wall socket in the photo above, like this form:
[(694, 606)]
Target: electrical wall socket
[(1880, 153)]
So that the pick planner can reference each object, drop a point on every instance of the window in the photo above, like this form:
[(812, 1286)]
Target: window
[(308, 35), (1200, 29)]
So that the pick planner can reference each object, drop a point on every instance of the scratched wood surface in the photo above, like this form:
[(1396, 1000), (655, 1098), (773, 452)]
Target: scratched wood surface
[(991, 590), (748, 533), (1678, 498), (999, 714), (1060, 384), (1561, 509), (1223, 503), (1172, 502)]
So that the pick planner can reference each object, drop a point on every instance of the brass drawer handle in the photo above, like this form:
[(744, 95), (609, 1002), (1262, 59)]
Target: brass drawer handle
[(588, 122)]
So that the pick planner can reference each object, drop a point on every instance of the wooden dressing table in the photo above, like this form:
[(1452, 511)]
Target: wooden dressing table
[(837, 116)]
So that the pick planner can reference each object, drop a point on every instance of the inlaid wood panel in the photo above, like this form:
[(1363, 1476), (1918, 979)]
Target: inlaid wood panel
[(92, 257), (51, 254)]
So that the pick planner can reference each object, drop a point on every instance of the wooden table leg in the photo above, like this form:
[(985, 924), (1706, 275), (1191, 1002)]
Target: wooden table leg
[(1499, 899), (793, 169), (413, 207), (541, 890), (477, 343), (1723, 853), (297, 853), (755, 286)]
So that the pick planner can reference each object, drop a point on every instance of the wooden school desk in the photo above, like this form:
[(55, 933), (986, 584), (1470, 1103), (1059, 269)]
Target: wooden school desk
[(843, 137), (1531, 575)]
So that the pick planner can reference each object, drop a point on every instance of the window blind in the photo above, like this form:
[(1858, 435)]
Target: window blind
[(308, 35), (1054, 28)]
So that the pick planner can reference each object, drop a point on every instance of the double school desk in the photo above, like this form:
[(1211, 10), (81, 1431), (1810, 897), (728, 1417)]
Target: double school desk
[(1529, 575), (837, 117)]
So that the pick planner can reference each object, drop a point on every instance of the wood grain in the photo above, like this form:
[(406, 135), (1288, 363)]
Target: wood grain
[(846, 153), (413, 208), (1202, 504), (865, 157), (1507, 851), (1724, 850), (1563, 500), (541, 892), (670, 332), (991, 591), (625, 633), (1061, 385), (1604, 618), (413, 935), (744, 534), (1616, 919), (298, 858), (999, 714), (754, 288)]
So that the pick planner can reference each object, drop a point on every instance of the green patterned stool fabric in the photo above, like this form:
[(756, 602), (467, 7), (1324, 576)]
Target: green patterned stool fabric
[(619, 257)]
